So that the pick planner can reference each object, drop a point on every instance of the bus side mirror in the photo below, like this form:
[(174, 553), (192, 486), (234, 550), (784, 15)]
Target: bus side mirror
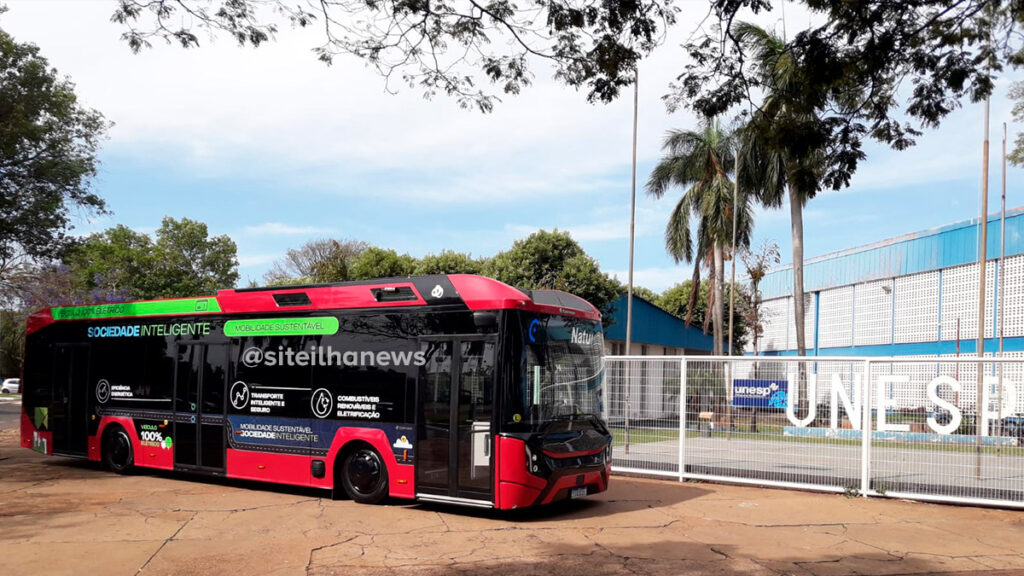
[(485, 319)]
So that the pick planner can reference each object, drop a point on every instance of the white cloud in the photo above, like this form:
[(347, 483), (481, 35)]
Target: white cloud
[(276, 116), (259, 113), (656, 278), (608, 222), (281, 229), (254, 260)]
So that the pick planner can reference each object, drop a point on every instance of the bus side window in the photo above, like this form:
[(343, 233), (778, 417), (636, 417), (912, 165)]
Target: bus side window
[(214, 379), (158, 372), (185, 393)]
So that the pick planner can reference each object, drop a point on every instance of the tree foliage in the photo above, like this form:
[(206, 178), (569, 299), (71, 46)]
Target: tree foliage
[(443, 46), (449, 262), (321, 260), (645, 293), (48, 146), (676, 301), (877, 69), (699, 161), (757, 262), (34, 286), (183, 261), (377, 262), (553, 260), (1016, 155)]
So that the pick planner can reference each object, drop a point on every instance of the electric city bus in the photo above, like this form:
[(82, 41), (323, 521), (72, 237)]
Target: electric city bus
[(456, 389)]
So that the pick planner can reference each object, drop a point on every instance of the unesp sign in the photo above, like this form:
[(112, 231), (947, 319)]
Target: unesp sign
[(938, 392)]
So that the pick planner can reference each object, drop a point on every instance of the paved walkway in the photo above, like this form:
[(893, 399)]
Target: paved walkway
[(923, 470), (61, 516)]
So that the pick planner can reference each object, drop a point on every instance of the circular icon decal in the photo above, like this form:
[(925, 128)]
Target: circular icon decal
[(322, 403), (239, 395), (534, 325), (517, 418), (437, 292), (103, 391)]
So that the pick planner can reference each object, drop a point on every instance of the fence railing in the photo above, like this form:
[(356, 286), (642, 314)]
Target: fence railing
[(902, 427)]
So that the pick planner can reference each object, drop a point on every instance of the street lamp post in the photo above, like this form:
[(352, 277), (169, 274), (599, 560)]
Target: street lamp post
[(632, 227)]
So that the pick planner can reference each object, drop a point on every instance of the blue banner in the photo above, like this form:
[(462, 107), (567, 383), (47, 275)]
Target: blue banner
[(759, 393)]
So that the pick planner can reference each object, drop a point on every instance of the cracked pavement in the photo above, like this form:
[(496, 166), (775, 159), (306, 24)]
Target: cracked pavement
[(63, 516)]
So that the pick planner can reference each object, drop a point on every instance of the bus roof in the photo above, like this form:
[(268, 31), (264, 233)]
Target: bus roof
[(473, 292)]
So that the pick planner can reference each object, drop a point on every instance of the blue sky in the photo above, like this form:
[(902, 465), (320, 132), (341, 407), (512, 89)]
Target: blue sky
[(273, 148)]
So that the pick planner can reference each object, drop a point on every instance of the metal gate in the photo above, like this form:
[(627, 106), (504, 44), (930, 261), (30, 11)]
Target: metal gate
[(908, 427)]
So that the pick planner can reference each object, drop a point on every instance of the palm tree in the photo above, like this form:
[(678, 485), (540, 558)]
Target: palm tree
[(699, 161), (776, 172)]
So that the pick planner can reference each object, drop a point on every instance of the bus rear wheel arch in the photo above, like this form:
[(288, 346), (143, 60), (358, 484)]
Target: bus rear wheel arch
[(361, 472), (117, 450)]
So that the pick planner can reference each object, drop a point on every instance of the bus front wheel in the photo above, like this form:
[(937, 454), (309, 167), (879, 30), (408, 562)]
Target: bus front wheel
[(117, 451), (364, 476)]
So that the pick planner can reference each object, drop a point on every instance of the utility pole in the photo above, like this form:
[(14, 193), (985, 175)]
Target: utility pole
[(1002, 273), (982, 257), (632, 228), (732, 285)]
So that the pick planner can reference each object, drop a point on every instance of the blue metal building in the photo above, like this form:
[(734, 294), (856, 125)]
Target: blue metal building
[(655, 332), (915, 294)]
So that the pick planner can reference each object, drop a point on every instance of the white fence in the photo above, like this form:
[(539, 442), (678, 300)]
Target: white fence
[(747, 419)]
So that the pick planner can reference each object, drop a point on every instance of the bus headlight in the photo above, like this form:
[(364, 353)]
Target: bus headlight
[(531, 461)]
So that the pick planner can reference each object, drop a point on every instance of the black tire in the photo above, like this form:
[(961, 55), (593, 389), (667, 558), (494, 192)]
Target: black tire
[(364, 476), (117, 451)]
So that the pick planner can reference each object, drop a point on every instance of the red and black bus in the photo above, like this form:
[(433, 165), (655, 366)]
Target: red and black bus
[(456, 388)]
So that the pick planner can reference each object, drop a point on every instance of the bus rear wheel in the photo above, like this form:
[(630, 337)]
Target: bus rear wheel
[(117, 451), (364, 476)]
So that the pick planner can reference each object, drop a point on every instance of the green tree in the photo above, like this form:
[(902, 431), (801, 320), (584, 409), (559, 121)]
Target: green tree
[(875, 69), (676, 301), (119, 259), (32, 287), (758, 263), (699, 161), (590, 44), (679, 301), (377, 262), (183, 261), (48, 146), (647, 294), (553, 260), (12, 343), (1016, 156), (191, 262), (778, 171), (322, 260), (449, 262)]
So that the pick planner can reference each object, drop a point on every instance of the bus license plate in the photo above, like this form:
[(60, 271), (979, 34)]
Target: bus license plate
[(578, 492)]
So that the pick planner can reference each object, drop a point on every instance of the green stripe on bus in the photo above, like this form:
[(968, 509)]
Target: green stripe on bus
[(156, 308), (325, 325)]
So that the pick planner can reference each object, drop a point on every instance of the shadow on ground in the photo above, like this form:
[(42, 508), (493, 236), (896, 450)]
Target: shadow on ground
[(671, 558)]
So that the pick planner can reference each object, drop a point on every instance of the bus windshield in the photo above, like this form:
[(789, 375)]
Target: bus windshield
[(562, 370)]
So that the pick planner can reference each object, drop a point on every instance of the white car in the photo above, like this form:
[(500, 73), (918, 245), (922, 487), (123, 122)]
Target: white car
[(10, 386)]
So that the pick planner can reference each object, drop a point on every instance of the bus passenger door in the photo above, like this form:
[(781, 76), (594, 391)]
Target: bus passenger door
[(455, 409), (68, 414), (199, 388)]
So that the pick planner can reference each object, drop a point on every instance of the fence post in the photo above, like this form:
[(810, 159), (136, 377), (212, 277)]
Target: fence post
[(865, 431), (682, 418), (629, 369)]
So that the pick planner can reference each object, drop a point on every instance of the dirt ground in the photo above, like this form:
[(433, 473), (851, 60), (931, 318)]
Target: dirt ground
[(62, 516)]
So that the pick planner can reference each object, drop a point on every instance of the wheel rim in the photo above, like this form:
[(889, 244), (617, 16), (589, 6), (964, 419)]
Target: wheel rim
[(364, 472), (120, 450)]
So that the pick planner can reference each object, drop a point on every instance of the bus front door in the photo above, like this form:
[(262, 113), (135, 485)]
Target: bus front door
[(68, 414), (199, 383), (456, 410)]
